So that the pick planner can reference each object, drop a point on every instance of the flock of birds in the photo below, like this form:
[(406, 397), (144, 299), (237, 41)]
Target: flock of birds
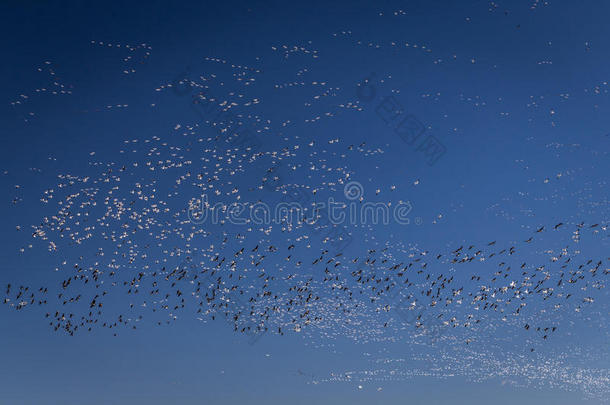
[(127, 251), (276, 288), (210, 279)]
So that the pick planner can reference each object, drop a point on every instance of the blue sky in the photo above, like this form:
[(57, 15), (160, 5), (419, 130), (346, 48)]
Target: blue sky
[(515, 93)]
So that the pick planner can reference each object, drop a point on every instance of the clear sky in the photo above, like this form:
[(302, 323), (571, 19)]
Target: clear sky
[(510, 99)]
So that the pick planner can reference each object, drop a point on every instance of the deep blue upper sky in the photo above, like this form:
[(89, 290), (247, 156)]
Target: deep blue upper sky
[(515, 91)]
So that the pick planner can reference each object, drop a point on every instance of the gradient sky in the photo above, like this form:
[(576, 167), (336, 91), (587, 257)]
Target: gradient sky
[(516, 91)]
